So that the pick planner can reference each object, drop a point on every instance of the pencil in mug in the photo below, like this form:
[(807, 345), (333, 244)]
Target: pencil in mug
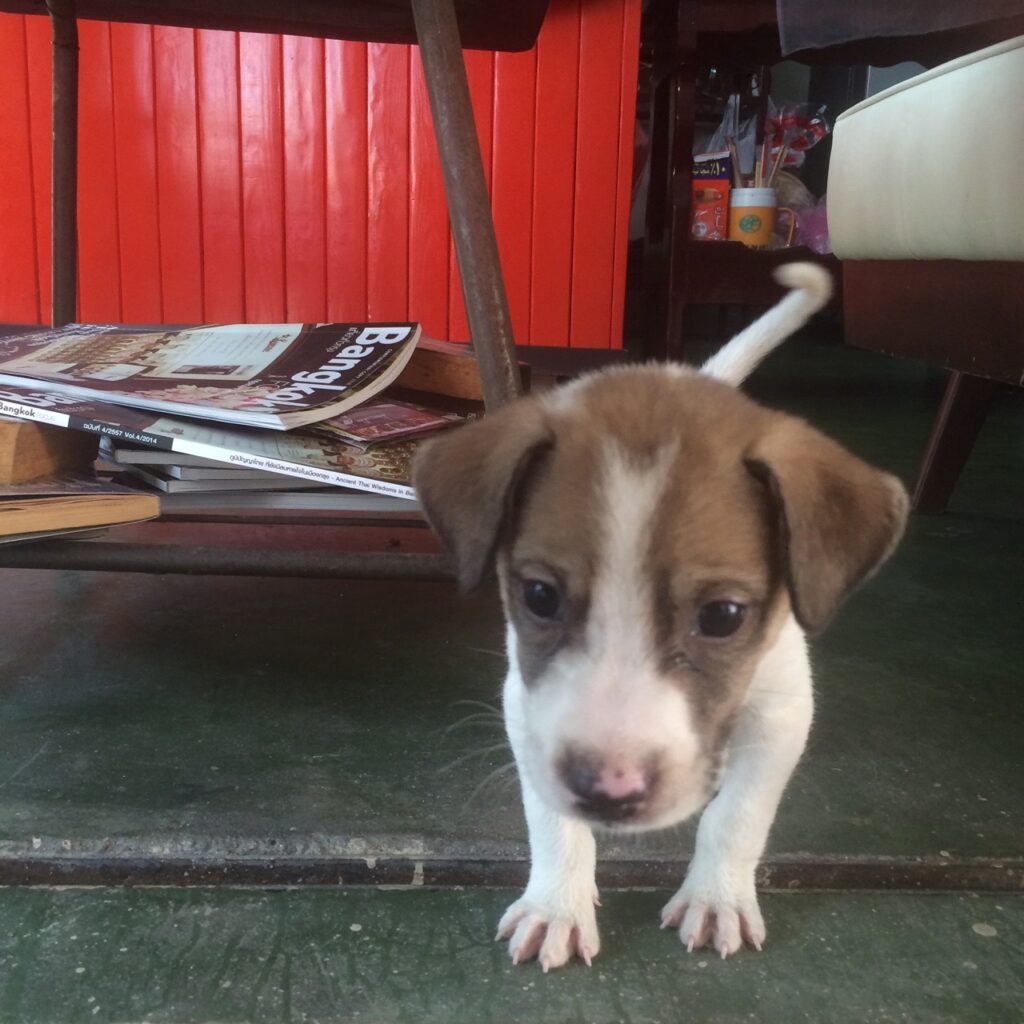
[(737, 181), (737, 177), (777, 166)]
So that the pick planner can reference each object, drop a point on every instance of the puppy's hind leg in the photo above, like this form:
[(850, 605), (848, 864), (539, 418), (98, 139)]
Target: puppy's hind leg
[(718, 901), (555, 918)]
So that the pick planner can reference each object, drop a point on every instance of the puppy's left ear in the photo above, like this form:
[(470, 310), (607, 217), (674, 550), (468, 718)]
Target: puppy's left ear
[(838, 519), (468, 480)]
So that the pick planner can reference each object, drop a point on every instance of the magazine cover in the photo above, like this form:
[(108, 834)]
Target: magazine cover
[(384, 419), (381, 470), (277, 376)]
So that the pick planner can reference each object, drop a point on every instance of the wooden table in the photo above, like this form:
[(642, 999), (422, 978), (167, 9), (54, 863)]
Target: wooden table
[(441, 28)]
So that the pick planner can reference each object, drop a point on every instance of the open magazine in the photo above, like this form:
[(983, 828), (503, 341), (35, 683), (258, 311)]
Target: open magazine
[(277, 376), (381, 470)]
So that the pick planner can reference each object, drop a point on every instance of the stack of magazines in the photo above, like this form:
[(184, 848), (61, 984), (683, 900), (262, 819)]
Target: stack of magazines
[(250, 415)]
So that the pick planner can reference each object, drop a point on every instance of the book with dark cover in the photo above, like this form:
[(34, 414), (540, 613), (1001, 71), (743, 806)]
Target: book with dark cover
[(154, 476), (221, 472)]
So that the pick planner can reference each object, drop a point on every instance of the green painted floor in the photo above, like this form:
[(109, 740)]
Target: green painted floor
[(180, 721), (319, 955)]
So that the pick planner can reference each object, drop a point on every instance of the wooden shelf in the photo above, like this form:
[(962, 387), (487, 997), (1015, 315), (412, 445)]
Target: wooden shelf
[(730, 273)]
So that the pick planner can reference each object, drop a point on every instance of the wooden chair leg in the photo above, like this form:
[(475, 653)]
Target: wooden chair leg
[(964, 407)]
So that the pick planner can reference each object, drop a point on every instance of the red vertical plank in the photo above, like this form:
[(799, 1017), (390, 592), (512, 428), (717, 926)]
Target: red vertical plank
[(596, 173), (262, 176), (37, 38), (304, 179), (480, 72), (220, 180), (347, 161), (387, 258), (428, 220), (624, 187), (135, 154), (19, 277), (515, 80), (177, 155), (553, 163), (347, 155), (99, 247)]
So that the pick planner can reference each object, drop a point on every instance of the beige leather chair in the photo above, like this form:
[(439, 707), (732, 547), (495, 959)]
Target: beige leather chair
[(926, 211)]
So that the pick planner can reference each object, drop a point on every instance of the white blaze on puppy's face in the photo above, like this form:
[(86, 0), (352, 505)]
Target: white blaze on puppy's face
[(606, 705)]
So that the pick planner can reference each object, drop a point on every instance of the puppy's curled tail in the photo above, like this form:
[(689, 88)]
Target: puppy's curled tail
[(812, 288)]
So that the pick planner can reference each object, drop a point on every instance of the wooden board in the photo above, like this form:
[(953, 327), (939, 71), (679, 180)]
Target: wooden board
[(961, 314), (482, 23), (30, 451)]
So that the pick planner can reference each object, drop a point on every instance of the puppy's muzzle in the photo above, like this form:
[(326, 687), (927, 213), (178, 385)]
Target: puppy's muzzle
[(608, 789)]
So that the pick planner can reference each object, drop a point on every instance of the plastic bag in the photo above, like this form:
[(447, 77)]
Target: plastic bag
[(741, 132), (812, 227)]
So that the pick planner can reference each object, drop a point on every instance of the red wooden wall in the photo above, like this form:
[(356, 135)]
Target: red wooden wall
[(233, 176)]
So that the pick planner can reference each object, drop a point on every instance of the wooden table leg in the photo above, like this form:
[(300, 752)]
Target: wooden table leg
[(469, 205), (65, 162), (964, 407), (667, 227)]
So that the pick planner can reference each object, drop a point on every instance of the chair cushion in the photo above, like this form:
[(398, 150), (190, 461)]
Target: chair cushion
[(933, 168)]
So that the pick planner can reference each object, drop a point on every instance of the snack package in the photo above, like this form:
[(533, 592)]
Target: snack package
[(709, 198)]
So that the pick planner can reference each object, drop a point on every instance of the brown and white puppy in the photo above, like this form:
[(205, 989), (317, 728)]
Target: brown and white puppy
[(662, 544)]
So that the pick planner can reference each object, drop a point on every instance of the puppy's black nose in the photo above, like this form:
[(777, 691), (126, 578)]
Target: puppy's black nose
[(609, 791)]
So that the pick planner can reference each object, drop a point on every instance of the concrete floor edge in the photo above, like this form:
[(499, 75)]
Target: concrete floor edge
[(818, 874)]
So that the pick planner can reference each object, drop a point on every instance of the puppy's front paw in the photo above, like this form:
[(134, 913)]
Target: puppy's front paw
[(715, 909), (552, 930)]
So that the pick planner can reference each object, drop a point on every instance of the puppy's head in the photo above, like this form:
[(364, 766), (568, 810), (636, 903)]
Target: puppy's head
[(652, 530)]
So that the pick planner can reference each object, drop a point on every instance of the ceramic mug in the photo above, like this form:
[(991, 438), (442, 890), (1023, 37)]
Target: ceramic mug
[(752, 213)]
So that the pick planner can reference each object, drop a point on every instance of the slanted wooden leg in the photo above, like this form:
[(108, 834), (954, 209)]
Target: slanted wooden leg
[(964, 408), (469, 205)]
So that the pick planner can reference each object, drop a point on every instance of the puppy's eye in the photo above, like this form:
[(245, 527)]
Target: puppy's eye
[(542, 599), (720, 618)]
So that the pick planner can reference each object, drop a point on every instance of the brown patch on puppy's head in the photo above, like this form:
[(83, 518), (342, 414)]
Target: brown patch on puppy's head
[(838, 519), (467, 481)]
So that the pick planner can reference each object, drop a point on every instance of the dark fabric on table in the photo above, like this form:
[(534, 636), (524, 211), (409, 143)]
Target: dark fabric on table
[(483, 24), (812, 24)]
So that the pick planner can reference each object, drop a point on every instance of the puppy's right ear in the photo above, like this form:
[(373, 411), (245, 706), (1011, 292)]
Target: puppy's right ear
[(468, 479), (837, 518)]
